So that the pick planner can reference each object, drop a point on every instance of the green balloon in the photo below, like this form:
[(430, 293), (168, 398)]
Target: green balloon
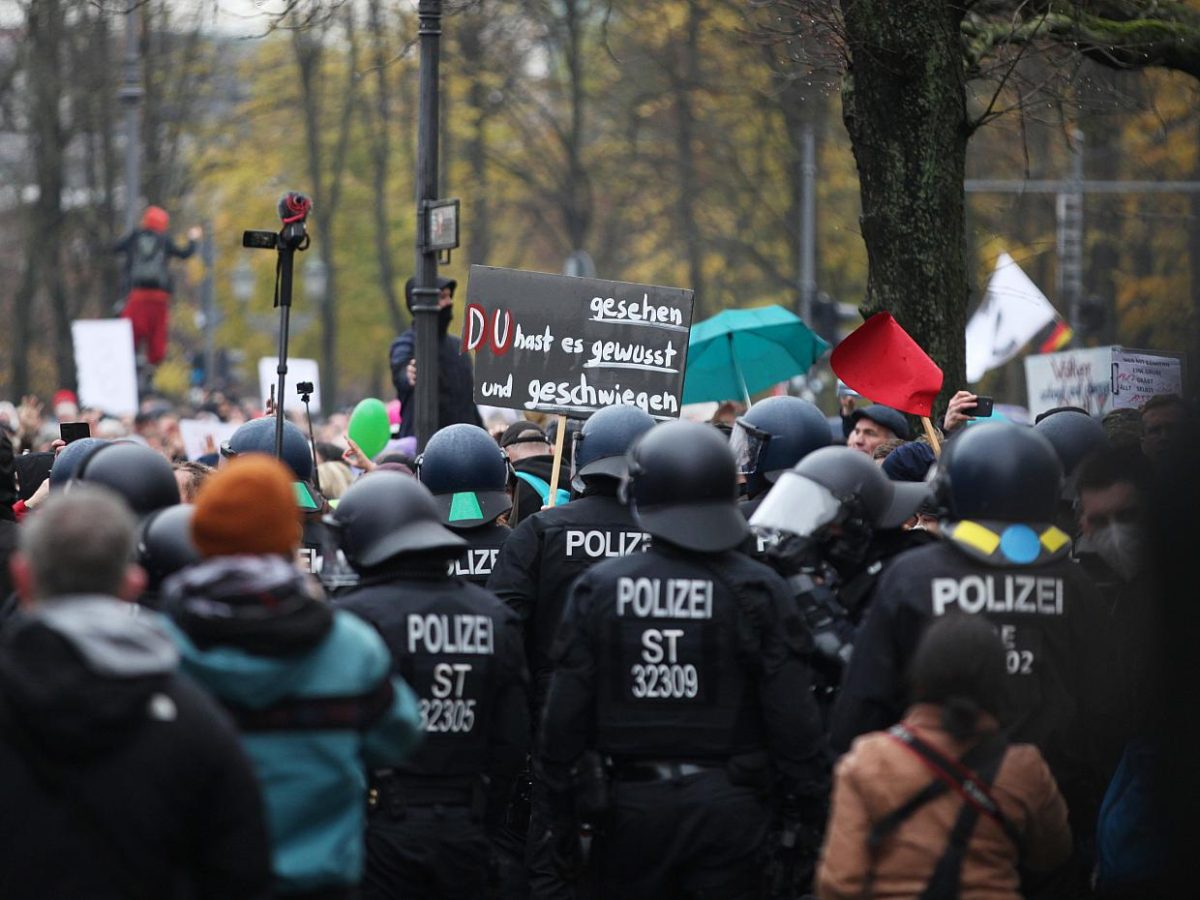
[(369, 426)]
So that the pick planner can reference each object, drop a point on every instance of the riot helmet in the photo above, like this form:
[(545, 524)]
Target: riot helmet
[(165, 544), (1074, 435), (69, 459), (682, 486), (999, 471), (258, 436), (467, 473), (601, 445), (144, 478), (385, 515), (837, 485), (773, 436)]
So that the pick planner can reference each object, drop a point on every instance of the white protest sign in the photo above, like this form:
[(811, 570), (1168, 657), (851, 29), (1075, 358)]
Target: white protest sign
[(203, 436), (1080, 378), (105, 366), (1139, 375), (298, 370)]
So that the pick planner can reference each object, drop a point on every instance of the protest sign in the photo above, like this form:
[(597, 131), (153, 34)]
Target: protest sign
[(298, 370), (1101, 379), (1139, 375), (105, 365), (566, 345), (204, 436)]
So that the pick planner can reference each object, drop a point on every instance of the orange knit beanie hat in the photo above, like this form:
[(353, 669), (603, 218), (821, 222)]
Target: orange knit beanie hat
[(248, 506)]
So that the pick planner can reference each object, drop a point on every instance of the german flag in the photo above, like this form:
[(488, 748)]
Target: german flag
[(1060, 335)]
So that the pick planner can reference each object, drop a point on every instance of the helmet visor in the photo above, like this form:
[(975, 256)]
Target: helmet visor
[(796, 505), (748, 445)]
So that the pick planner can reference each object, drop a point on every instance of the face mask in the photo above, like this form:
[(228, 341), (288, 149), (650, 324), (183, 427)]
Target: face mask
[(1120, 544), (444, 316)]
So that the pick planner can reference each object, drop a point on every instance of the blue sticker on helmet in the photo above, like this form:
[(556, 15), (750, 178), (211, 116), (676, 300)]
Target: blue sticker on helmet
[(1020, 544)]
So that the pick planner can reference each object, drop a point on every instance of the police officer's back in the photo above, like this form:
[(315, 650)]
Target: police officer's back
[(459, 648), (467, 473), (1003, 559), (682, 667), (550, 549)]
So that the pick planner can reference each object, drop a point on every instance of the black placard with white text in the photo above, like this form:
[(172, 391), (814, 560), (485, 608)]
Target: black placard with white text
[(561, 344)]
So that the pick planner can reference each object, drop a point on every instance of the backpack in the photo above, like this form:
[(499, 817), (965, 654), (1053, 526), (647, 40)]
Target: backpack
[(543, 489), (148, 261)]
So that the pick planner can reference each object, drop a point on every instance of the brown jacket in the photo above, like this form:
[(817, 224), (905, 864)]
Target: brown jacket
[(879, 774)]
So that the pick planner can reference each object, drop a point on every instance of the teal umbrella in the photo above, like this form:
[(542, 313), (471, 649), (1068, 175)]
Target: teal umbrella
[(739, 352)]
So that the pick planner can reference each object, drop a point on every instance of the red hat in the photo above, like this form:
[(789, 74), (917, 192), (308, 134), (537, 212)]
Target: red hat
[(155, 218), (65, 396)]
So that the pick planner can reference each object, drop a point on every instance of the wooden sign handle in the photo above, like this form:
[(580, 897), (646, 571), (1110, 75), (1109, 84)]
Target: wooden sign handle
[(931, 433), (559, 439)]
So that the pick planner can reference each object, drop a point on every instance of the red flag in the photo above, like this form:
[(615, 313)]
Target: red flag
[(885, 365)]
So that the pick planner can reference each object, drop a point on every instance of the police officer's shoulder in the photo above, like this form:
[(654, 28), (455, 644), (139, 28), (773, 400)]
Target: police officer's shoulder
[(484, 601)]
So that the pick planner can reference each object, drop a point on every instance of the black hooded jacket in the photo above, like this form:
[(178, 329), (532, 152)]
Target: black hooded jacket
[(120, 778), (456, 382)]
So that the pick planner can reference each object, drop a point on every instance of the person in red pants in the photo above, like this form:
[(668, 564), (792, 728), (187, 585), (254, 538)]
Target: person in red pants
[(148, 251)]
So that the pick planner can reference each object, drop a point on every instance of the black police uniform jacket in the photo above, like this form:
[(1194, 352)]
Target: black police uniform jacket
[(548, 551), (671, 655), (459, 649), (483, 549), (1047, 614)]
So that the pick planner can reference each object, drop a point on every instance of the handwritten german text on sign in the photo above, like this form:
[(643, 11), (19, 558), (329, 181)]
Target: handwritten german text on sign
[(553, 343)]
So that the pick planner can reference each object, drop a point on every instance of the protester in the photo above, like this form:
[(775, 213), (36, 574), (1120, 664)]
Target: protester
[(148, 252), (8, 519), (942, 805), (867, 428), (1165, 420), (532, 460), (121, 779), (191, 477), (455, 373), (309, 688)]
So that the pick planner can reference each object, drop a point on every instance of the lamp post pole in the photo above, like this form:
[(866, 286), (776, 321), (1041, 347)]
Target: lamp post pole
[(425, 292)]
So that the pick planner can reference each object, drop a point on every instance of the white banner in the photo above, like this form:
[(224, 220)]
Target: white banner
[(1139, 375), (1012, 312), (1080, 378), (204, 436), (105, 367), (298, 370)]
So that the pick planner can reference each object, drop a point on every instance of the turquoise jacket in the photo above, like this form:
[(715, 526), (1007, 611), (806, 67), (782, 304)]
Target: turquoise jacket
[(314, 781)]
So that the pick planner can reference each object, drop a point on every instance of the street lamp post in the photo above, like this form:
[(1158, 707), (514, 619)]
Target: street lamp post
[(241, 281), (425, 292), (316, 281)]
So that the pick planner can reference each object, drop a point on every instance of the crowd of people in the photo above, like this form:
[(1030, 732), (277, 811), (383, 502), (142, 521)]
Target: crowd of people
[(735, 659)]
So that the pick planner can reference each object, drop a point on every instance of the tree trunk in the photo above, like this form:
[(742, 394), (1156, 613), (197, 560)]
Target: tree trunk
[(904, 105)]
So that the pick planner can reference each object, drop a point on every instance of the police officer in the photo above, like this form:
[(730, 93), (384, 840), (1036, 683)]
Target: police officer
[(548, 551), (164, 546), (467, 473), (143, 478), (459, 648), (845, 515), (1002, 558), (770, 438), (680, 670), (829, 512)]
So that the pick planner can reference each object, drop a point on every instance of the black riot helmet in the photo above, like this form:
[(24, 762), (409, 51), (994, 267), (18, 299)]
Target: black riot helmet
[(69, 459), (142, 477), (165, 544), (467, 473), (1074, 435), (682, 485), (999, 471), (601, 445), (258, 436), (385, 515), (833, 484), (773, 436)]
